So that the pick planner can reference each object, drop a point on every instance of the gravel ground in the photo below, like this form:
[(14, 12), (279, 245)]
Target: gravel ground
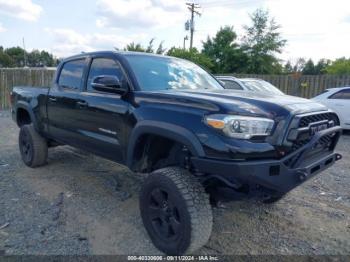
[(83, 204)]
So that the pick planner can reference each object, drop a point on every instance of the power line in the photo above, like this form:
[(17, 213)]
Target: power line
[(216, 3), (227, 3), (193, 9)]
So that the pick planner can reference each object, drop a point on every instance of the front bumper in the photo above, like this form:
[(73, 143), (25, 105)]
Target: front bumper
[(279, 175)]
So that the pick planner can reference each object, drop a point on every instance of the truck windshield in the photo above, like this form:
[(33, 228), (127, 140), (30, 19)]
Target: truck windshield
[(166, 73)]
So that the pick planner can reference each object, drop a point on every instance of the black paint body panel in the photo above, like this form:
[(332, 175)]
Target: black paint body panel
[(110, 124)]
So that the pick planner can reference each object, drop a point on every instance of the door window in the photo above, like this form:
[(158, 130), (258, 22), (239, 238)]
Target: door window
[(103, 66), (72, 74), (343, 94)]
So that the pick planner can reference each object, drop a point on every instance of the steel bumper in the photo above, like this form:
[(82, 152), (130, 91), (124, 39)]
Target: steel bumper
[(279, 175)]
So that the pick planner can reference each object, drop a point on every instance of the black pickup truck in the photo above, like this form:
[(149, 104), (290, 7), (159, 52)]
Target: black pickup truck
[(169, 118)]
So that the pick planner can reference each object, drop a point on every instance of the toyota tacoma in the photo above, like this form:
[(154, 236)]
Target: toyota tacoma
[(171, 120)]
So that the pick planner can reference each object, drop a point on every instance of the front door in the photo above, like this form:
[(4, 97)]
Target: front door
[(103, 114)]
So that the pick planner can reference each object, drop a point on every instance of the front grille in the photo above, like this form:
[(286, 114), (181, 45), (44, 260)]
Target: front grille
[(299, 143), (299, 135), (324, 142), (306, 120)]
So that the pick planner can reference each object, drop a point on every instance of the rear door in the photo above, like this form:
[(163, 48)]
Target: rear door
[(103, 115), (62, 105), (340, 103)]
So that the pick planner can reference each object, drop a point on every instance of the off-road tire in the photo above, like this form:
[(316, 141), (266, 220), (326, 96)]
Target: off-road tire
[(189, 205), (33, 146)]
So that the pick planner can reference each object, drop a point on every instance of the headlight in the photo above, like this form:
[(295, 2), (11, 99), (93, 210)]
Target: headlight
[(242, 127)]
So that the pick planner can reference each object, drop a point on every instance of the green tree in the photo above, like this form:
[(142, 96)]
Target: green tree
[(192, 55), (137, 47), (340, 66), (288, 68), (315, 69), (321, 66), (5, 59), (298, 65), (47, 59), (160, 50), (224, 52), (261, 43), (149, 48), (14, 57), (134, 47), (309, 68), (17, 55), (34, 59), (38, 58)]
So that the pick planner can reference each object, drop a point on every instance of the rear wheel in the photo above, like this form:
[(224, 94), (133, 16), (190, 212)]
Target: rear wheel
[(32, 146), (175, 211)]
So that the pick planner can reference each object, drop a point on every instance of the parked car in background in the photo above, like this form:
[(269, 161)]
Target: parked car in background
[(249, 84), (337, 99)]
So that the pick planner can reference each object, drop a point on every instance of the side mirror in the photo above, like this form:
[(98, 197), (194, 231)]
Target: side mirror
[(222, 83), (109, 84)]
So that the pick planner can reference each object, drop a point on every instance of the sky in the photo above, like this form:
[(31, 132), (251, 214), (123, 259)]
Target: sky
[(313, 28)]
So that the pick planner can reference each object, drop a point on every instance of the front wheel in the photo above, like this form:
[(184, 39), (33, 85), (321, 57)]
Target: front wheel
[(32, 146), (175, 211)]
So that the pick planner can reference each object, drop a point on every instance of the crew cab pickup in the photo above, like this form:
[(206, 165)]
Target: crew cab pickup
[(169, 118)]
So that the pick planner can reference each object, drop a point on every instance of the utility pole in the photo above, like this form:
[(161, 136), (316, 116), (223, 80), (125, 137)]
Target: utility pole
[(192, 7), (24, 54), (185, 38)]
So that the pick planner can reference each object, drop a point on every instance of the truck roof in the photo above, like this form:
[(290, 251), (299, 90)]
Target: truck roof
[(108, 52)]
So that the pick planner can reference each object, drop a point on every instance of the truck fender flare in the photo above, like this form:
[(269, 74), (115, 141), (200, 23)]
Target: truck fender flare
[(170, 131), (28, 108)]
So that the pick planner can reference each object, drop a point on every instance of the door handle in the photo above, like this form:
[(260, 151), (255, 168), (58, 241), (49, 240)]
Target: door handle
[(52, 99), (82, 104)]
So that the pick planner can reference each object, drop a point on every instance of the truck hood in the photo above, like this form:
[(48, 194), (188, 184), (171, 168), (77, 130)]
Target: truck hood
[(237, 102), (293, 104)]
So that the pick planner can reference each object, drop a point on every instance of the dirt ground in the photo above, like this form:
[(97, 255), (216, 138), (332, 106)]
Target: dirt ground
[(83, 204)]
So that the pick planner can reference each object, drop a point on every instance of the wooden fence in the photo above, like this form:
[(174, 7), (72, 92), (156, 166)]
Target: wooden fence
[(19, 76), (297, 85)]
